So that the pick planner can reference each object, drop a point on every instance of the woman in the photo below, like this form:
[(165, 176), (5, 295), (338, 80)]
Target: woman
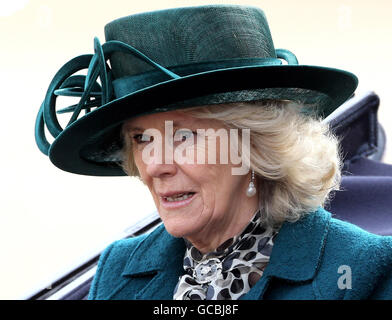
[(230, 143)]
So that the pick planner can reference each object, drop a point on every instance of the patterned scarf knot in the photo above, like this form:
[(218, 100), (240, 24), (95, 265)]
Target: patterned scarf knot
[(231, 270)]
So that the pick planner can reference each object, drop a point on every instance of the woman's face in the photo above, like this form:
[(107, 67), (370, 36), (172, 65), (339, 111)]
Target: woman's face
[(204, 203)]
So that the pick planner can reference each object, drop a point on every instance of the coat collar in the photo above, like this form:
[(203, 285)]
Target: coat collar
[(296, 254), (299, 246), (158, 261), (157, 252)]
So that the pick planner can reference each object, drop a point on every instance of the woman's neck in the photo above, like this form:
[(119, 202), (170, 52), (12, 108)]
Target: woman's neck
[(211, 237)]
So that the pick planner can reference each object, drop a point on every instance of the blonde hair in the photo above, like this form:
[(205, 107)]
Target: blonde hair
[(295, 156)]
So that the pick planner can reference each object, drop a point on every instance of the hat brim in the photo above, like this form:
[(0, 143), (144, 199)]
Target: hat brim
[(77, 148)]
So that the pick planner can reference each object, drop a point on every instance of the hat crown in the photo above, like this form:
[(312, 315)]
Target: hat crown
[(157, 60), (190, 35)]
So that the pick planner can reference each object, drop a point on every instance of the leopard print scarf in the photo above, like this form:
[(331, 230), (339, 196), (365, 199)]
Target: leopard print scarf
[(231, 270)]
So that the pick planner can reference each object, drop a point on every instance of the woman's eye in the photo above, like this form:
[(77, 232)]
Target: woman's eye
[(142, 138), (184, 135)]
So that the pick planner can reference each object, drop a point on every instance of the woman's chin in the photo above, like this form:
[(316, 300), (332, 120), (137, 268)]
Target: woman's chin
[(177, 230), (181, 225), (181, 220)]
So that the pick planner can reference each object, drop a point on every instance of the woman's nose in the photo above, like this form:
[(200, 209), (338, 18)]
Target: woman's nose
[(157, 168)]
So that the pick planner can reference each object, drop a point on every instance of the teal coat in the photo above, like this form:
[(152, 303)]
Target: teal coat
[(317, 257)]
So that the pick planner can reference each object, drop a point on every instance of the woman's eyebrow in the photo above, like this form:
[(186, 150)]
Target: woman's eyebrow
[(134, 129), (184, 124), (176, 124)]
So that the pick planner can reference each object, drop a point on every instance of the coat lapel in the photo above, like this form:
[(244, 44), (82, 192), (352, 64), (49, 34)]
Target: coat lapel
[(297, 252), (158, 259)]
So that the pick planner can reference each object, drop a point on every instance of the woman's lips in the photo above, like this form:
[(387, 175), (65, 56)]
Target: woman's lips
[(177, 200)]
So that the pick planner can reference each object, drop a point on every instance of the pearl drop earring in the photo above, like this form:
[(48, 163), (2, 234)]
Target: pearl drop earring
[(251, 191)]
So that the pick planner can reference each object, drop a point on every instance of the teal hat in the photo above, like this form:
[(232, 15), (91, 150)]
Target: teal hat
[(174, 59)]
